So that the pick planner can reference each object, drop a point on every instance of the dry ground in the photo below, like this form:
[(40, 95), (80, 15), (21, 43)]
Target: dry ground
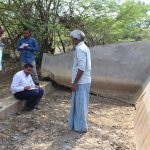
[(110, 126)]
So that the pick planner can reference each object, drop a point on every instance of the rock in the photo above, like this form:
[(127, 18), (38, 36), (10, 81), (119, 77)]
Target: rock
[(68, 147), (3, 147), (32, 129), (25, 131), (18, 113), (46, 129)]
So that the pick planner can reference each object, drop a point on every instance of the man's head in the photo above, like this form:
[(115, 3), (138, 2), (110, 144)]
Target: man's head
[(27, 69), (26, 33), (77, 36)]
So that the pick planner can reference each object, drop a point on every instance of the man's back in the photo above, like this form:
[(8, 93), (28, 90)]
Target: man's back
[(82, 60)]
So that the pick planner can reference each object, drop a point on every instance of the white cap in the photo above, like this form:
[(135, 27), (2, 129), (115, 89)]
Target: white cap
[(77, 34)]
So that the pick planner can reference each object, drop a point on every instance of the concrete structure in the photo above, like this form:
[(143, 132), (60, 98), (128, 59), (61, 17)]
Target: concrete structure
[(142, 119), (11, 106), (119, 67)]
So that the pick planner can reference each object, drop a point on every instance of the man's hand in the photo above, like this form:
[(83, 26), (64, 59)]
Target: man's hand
[(74, 87), (26, 47), (27, 88), (75, 83)]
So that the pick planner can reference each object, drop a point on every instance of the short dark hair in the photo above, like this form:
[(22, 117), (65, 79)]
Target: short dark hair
[(27, 29), (82, 39), (28, 65)]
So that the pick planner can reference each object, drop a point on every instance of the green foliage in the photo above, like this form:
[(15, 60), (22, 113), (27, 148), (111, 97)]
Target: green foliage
[(42, 17), (112, 21), (103, 21)]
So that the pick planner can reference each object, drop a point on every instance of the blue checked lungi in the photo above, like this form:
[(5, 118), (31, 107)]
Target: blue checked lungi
[(79, 108)]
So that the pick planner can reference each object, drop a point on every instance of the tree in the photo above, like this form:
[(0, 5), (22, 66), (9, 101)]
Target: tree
[(103, 21), (40, 16)]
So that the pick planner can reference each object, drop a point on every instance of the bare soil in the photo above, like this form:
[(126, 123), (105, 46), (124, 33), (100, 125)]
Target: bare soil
[(110, 126)]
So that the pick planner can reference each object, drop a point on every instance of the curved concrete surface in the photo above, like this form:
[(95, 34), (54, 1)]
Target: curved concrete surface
[(120, 67), (142, 119)]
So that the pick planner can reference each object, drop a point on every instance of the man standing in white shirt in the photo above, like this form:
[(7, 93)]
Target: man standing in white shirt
[(23, 88), (81, 81)]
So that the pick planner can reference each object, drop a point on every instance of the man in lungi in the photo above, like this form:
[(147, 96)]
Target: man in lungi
[(81, 81)]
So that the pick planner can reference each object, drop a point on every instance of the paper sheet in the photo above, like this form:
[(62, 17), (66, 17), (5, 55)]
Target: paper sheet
[(23, 45)]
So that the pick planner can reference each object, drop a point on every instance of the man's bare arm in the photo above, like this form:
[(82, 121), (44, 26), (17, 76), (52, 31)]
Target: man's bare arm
[(78, 76)]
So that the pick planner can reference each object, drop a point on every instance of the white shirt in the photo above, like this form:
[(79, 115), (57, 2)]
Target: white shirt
[(21, 80), (82, 61)]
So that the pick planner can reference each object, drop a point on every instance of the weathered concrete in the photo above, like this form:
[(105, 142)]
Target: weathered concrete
[(142, 120), (119, 67), (11, 106)]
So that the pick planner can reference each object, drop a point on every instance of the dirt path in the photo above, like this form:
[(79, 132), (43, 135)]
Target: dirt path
[(110, 127)]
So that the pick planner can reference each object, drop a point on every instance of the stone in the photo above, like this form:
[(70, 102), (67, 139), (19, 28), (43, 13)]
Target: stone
[(68, 147), (25, 131)]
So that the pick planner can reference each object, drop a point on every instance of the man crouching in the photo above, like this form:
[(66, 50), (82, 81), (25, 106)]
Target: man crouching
[(23, 88)]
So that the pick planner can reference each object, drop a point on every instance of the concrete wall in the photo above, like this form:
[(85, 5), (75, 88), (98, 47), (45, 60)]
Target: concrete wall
[(120, 67), (142, 119), (10, 105)]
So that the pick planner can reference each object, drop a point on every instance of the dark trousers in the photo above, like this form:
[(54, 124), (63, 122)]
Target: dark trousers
[(32, 97)]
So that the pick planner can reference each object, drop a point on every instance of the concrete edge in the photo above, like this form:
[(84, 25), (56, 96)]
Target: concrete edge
[(100, 84), (12, 105)]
